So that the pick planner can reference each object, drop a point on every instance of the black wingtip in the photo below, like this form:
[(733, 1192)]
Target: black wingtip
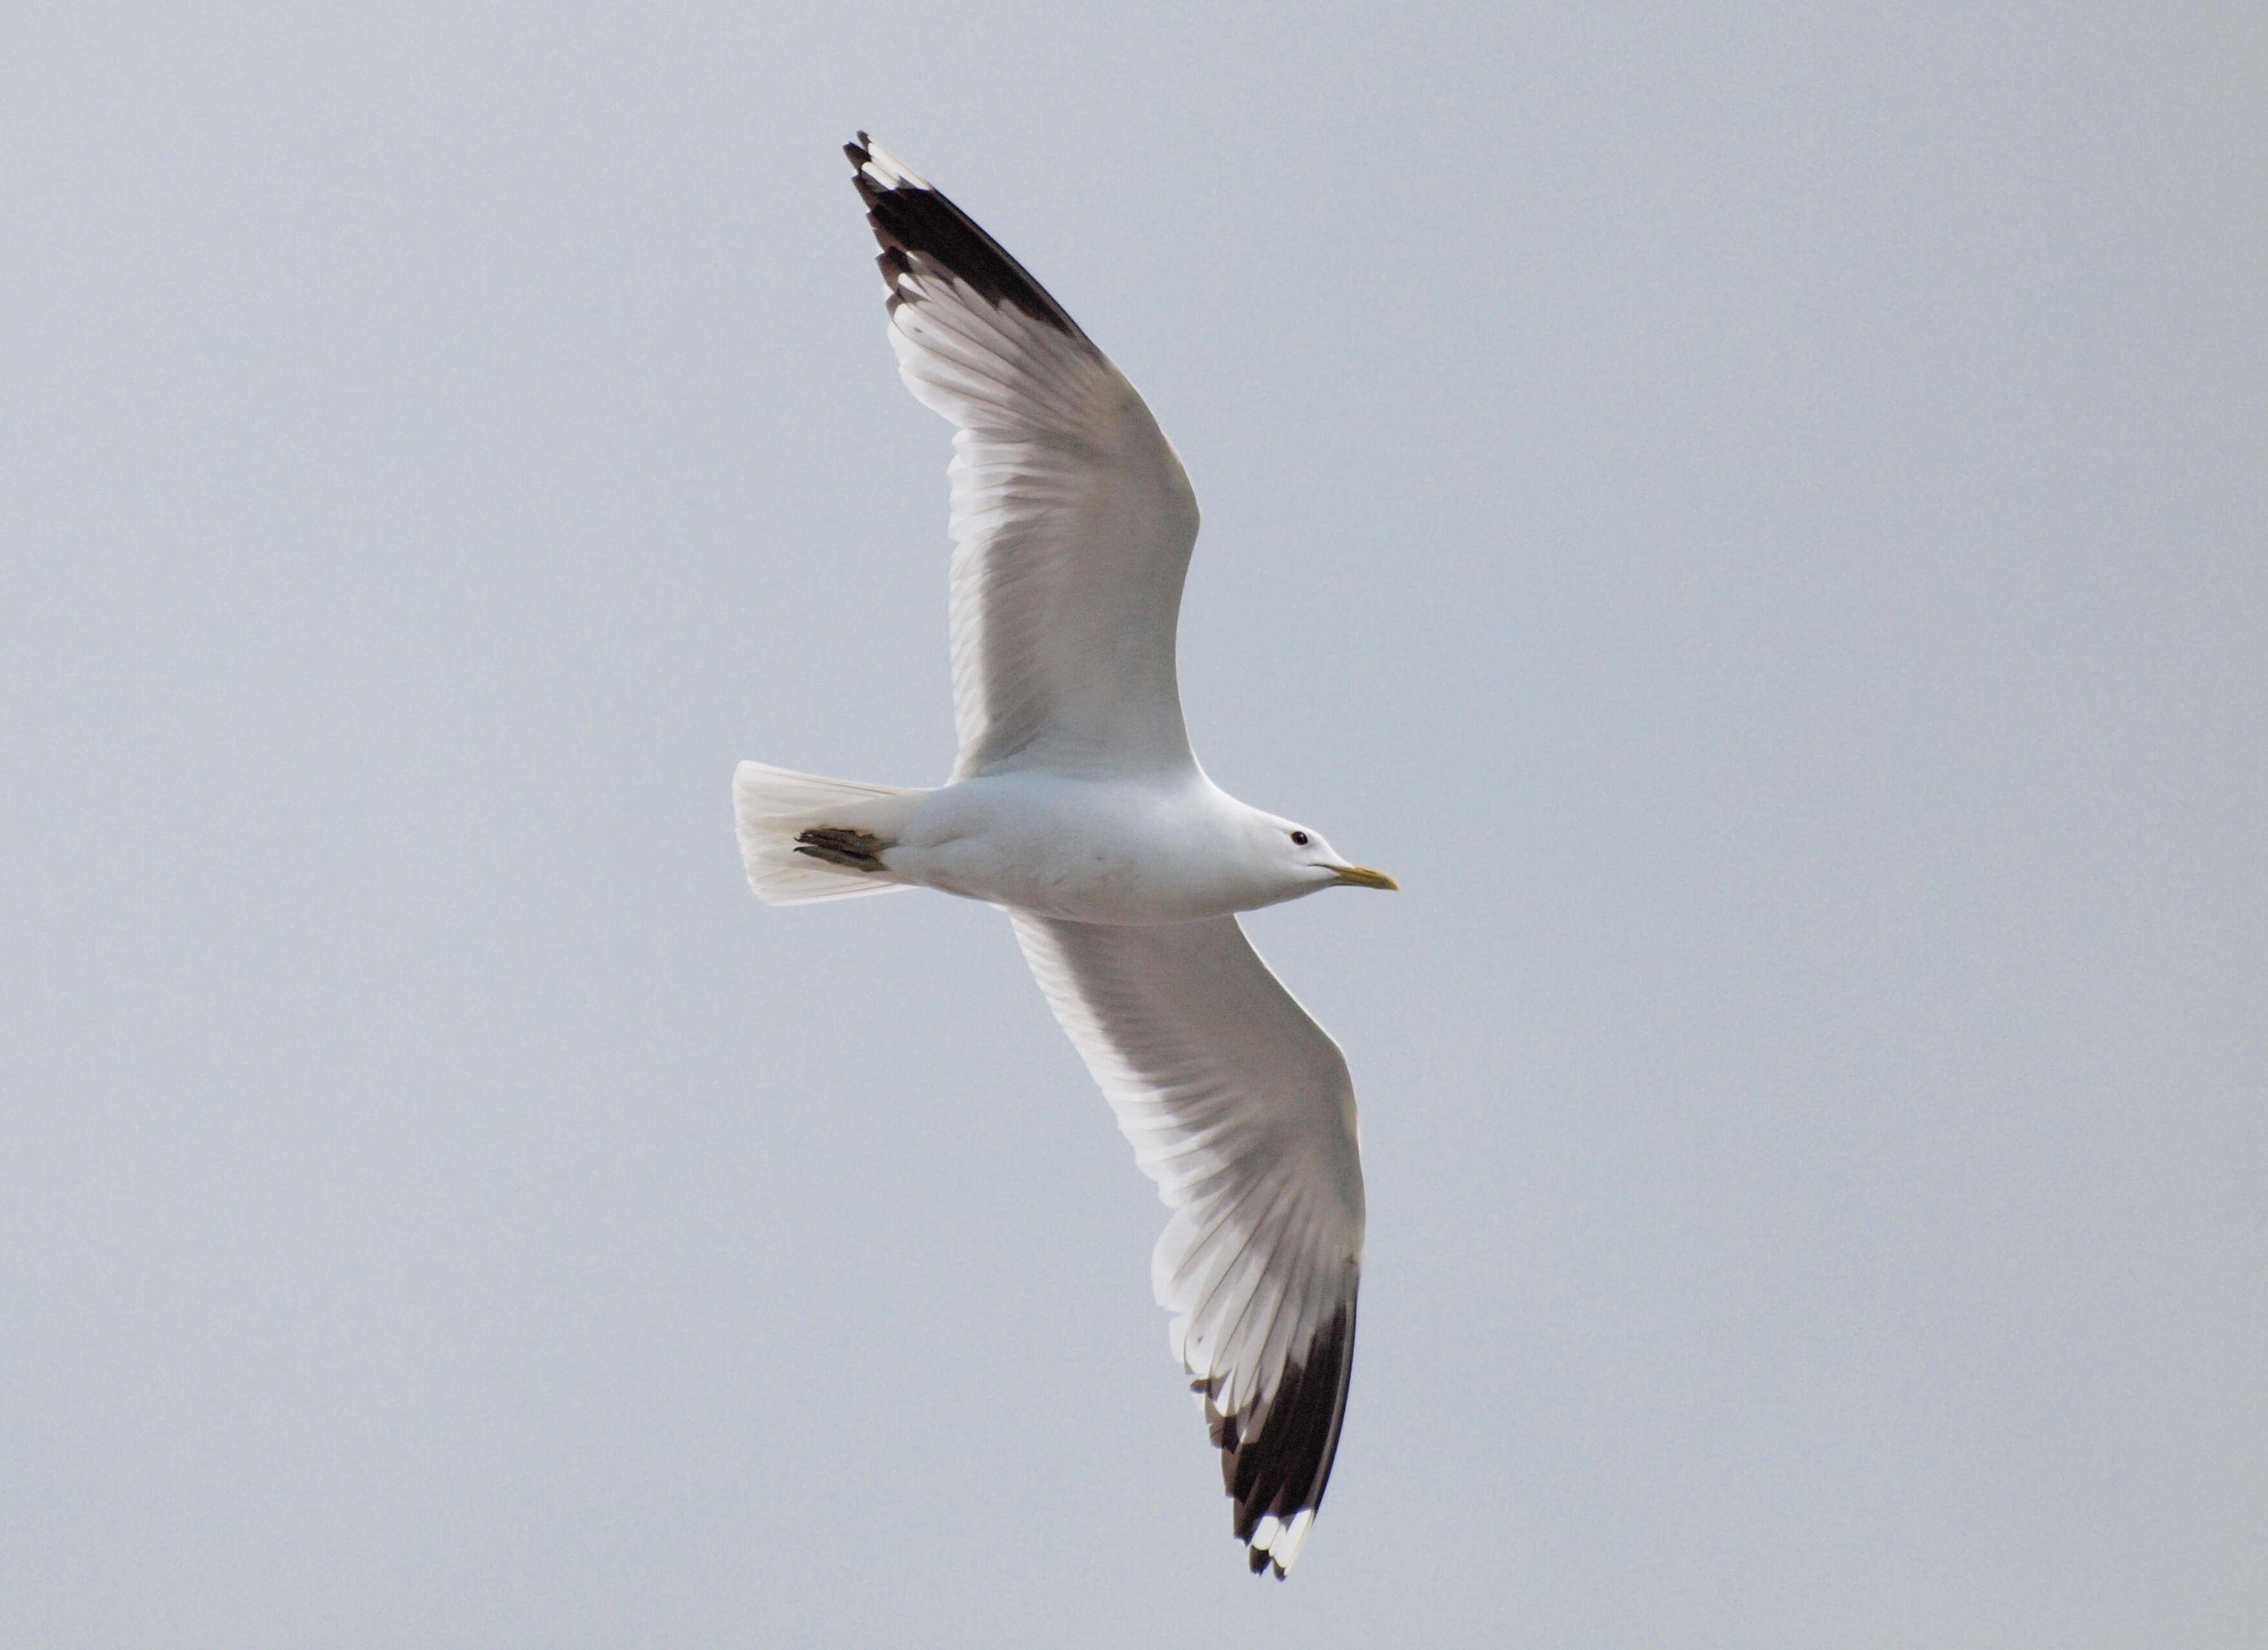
[(1282, 1469), (912, 220)]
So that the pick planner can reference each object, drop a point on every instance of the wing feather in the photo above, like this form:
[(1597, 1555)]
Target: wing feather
[(1239, 1107), (1071, 518)]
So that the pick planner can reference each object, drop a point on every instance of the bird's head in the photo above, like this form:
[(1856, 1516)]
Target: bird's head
[(1306, 862)]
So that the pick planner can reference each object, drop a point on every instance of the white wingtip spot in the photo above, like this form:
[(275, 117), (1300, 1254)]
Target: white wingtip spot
[(886, 169), (1280, 1540)]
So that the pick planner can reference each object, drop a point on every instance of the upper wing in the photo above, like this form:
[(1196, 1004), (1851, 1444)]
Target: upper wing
[(1239, 1107), (1071, 520)]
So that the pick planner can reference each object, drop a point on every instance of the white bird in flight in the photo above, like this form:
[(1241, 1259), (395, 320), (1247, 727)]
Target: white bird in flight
[(1077, 806)]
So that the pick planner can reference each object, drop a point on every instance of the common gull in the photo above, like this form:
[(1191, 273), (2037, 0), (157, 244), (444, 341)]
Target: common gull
[(1077, 805)]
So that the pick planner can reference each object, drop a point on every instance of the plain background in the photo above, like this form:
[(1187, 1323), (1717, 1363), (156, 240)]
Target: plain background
[(1755, 514)]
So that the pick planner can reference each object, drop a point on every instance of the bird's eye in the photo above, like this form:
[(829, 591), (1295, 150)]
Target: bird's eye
[(1299, 838)]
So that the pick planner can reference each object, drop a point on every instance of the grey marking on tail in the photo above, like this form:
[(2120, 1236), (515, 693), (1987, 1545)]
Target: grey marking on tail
[(855, 850)]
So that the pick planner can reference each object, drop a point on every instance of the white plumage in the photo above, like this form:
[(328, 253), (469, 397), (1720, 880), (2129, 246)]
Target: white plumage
[(1077, 805)]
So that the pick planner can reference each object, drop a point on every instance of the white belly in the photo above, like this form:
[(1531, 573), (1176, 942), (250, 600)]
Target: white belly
[(1090, 851)]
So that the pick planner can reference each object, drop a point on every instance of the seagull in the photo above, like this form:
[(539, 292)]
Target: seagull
[(1077, 805)]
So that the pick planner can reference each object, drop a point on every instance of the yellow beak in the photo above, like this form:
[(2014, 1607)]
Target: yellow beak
[(1363, 877)]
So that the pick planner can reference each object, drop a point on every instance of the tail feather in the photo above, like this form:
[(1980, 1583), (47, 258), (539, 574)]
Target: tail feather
[(774, 806)]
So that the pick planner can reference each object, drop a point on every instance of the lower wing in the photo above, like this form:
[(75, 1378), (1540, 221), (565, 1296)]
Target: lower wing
[(1239, 1107)]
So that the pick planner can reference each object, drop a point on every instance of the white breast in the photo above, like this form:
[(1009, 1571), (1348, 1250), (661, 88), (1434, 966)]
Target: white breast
[(1084, 850)]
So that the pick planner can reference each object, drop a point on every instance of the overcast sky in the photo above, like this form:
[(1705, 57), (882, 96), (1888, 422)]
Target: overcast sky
[(1753, 514)]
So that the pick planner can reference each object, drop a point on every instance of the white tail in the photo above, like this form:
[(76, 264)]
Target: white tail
[(773, 805)]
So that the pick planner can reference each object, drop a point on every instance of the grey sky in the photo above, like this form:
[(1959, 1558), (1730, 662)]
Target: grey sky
[(1755, 515)]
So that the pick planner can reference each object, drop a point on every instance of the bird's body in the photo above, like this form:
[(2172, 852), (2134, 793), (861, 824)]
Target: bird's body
[(1148, 848), (1077, 805)]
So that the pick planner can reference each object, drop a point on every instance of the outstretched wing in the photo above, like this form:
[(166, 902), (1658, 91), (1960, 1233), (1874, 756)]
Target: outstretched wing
[(1072, 521), (1239, 1107)]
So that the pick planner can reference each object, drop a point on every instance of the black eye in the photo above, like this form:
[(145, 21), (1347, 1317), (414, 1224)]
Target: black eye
[(1300, 837)]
